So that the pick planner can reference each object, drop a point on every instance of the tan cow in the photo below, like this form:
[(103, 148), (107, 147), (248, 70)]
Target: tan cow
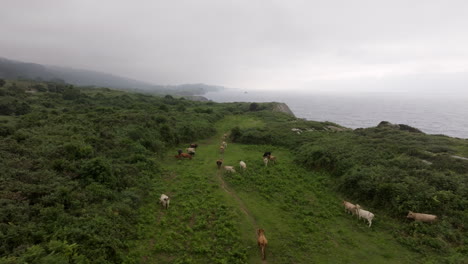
[(262, 242), (230, 169), (422, 217), (349, 207), (272, 159), (242, 165)]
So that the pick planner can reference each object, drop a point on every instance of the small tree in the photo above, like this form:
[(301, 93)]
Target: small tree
[(164, 108), (39, 88), (253, 107), (235, 134), (71, 94)]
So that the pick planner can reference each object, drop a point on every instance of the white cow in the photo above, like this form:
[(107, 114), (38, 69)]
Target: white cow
[(243, 165), (265, 160), (164, 201), (229, 169), (364, 214), (191, 151)]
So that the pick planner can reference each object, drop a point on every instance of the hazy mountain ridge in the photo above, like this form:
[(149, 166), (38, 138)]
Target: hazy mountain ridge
[(11, 69)]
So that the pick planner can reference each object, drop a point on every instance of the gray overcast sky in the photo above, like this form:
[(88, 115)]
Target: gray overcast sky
[(289, 44)]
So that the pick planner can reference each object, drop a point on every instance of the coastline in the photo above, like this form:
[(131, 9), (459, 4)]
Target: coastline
[(435, 115)]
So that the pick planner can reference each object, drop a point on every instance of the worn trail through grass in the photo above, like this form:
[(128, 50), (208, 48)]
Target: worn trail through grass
[(238, 200)]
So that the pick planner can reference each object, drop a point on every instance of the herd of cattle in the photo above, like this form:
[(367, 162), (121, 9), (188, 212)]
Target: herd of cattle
[(366, 215), (353, 209)]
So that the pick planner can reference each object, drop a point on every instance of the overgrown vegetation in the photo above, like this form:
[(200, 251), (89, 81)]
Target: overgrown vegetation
[(76, 164)]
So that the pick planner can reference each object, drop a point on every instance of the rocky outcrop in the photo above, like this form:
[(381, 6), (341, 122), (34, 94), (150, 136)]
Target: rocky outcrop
[(337, 129), (388, 124), (282, 107), (399, 127)]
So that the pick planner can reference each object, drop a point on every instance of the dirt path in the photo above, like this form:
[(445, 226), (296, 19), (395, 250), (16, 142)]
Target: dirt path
[(240, 203)]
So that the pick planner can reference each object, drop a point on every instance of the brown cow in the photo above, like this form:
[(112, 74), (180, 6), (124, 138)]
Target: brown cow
[(219, 163), (272, 158), (184, 155), (262, 242), (422, 217)]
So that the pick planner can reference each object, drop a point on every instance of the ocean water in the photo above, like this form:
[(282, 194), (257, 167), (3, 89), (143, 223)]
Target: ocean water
[(432, 113)]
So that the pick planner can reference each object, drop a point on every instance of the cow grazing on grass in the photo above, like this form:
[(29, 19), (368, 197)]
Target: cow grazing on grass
[(193, 145), (267, 154), (219, 163), (262, 242), (229, 169), (265, 161), (364, 214), (164, 200), (242, 165), (224, 144), (184, 156), (191, 151), (349, 207), (429, 218), (221, 149), (272, 159)]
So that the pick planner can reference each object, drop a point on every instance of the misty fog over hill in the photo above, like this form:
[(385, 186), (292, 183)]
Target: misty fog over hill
[(11, 69)]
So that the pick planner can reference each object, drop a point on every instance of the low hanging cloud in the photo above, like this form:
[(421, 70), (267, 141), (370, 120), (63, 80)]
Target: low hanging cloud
[(338, 45)]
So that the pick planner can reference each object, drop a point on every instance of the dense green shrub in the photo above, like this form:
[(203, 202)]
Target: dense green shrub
[(73, 179)]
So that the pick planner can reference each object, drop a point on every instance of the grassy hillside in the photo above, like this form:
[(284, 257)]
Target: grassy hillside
[(388, 170), (77, 164), (85, 169), (299, 209)]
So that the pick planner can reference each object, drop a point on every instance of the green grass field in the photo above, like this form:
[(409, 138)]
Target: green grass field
[(85, 167), (213, 216)]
